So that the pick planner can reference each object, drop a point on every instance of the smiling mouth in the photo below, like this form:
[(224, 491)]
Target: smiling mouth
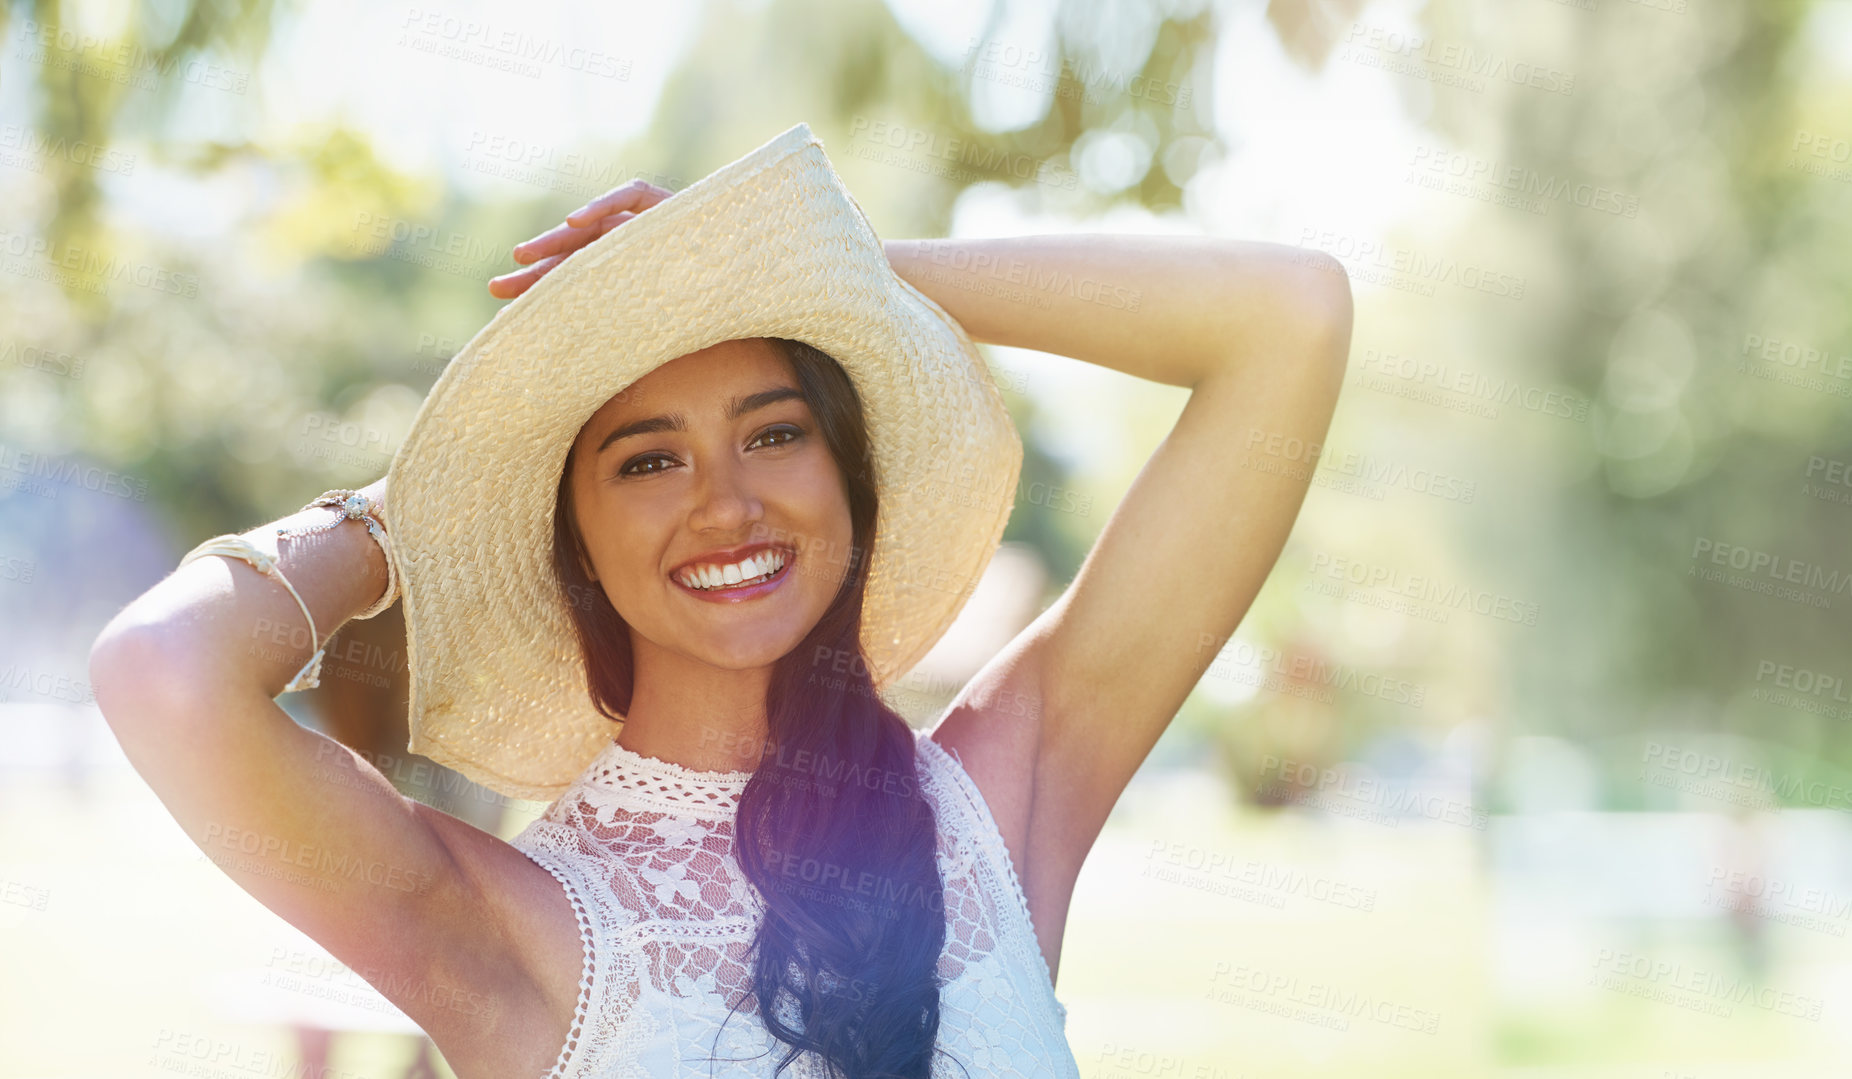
[(711, 580)]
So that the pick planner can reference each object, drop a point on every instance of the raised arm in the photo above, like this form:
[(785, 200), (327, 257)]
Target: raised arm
[(408, 897), (1260, 333), (1170, 309)]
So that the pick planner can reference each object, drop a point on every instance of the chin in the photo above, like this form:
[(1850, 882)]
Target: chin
[(745, 651)]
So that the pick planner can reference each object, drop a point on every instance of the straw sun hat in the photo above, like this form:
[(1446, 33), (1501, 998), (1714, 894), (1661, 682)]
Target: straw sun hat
[(771, 245)]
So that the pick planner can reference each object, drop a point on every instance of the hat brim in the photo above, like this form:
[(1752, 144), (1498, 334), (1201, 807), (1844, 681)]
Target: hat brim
[(771, 245)]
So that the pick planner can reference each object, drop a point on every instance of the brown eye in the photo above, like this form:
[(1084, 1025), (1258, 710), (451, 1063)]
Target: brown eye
[(631, 468), (795, 433)]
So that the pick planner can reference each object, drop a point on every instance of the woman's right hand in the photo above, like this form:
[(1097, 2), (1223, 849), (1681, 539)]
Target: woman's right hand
[(582, 226)]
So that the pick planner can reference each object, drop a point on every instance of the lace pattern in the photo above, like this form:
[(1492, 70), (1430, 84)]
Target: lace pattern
[(988, 838), (644, 848)]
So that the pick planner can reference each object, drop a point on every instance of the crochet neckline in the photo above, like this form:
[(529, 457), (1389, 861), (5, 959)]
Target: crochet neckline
[(650, 784)]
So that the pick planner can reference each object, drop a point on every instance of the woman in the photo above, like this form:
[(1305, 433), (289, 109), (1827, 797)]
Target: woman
[(716, 517)]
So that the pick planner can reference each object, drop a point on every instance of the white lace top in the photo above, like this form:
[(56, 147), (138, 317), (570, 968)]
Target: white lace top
[(644, 850)]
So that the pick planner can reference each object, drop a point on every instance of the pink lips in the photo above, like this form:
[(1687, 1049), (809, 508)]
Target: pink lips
[(740, 593)]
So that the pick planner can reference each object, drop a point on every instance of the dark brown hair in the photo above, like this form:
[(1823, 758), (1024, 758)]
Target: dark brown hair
[(832, 830)]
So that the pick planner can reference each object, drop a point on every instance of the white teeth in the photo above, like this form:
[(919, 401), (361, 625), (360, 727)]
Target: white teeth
[(759, 565)]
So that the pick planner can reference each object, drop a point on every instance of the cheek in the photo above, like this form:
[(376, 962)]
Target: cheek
[(828, 527), (822, 498), (613, 535), (626, 552)]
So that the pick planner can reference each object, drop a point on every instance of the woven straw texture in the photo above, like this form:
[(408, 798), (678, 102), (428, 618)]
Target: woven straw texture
[(771, 245)]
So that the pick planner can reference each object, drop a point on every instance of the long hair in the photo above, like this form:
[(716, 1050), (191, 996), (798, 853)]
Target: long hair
[(832, 829)]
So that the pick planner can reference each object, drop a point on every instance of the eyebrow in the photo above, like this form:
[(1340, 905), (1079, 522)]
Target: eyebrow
[(674, 421)]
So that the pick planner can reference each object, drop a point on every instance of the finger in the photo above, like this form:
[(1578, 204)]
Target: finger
[(565, 239), (505, 288), (558, 240), (510, 285), (637, 195)]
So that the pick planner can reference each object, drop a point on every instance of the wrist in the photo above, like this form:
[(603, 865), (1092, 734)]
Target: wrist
[(349, 512)]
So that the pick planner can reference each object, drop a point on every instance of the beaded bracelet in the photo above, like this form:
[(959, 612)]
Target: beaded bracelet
[(356, 506)]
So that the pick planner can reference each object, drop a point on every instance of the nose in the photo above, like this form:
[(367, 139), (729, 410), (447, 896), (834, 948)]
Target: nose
[(724, 500)]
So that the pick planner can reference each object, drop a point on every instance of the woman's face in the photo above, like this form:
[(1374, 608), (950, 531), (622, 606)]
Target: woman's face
[(666, 479)]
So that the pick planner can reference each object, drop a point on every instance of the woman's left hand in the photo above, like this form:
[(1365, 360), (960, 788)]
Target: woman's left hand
[(582, 226)]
